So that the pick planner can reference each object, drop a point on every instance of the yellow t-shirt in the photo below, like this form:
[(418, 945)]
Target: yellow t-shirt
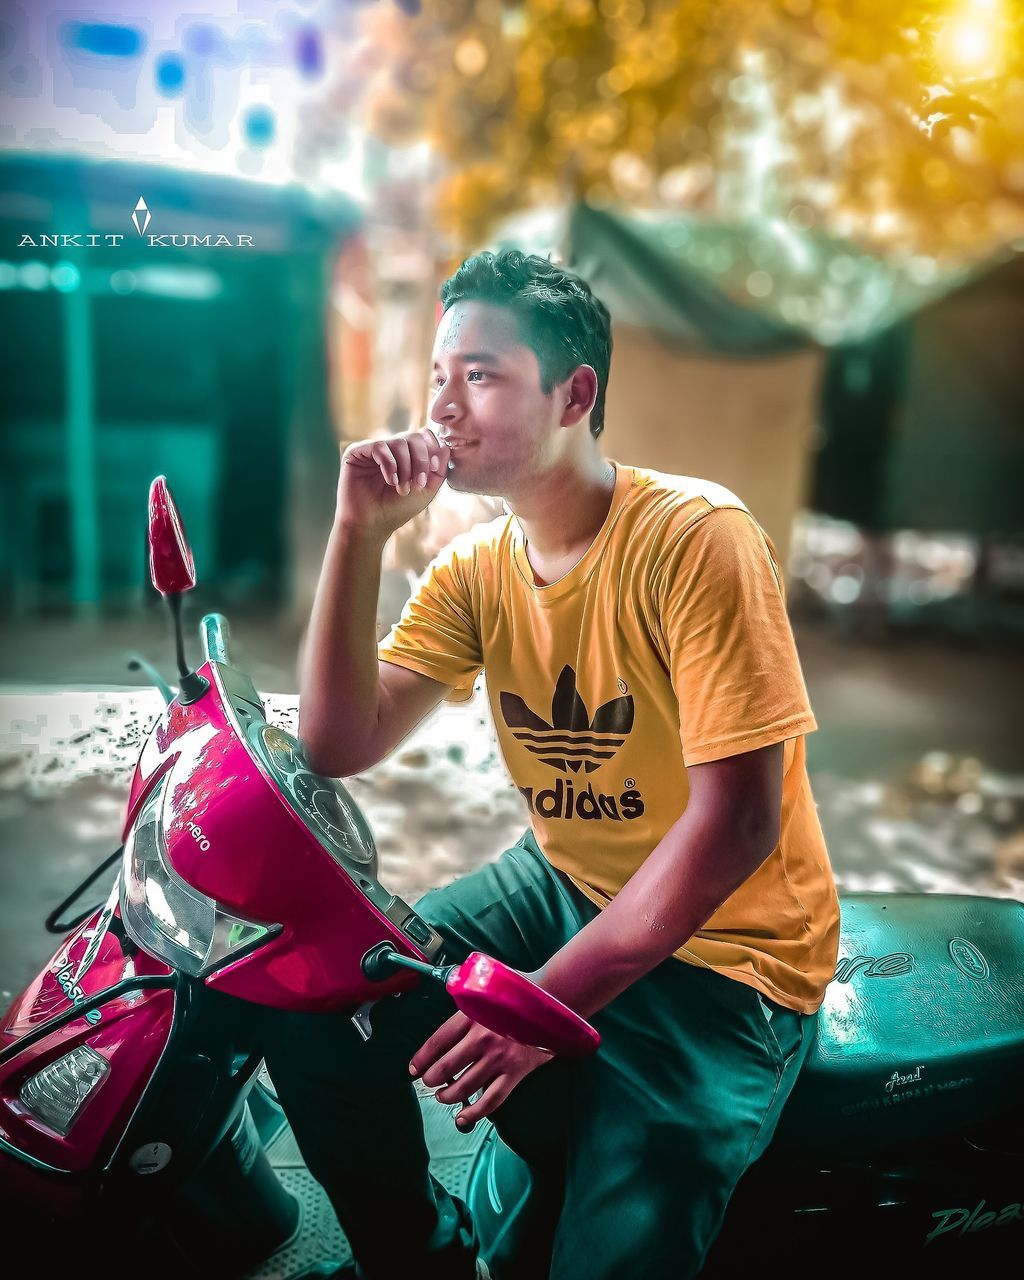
[(666, 645)]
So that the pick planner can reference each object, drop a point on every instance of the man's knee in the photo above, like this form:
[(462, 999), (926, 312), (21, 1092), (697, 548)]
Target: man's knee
[(513, 909)]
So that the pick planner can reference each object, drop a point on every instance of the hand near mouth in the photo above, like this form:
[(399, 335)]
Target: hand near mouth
[(384, 483)]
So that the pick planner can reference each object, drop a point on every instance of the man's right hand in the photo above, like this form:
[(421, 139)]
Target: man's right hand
[(384, 483)]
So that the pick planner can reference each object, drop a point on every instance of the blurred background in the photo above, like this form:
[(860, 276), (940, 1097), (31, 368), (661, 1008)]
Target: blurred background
[(222, 234)]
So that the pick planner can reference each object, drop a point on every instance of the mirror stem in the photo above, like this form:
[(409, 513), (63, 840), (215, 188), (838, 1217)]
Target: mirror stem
[(381, 961), (191, 686)]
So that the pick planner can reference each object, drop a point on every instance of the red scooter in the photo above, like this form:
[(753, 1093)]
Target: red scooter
[(123, 1098)]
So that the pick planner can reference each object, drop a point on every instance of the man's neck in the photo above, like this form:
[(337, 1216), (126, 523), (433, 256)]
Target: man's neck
[(563, 513)]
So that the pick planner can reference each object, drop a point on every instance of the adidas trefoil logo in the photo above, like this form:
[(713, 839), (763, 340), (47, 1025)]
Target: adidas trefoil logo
[(572, 738), (570, 741)]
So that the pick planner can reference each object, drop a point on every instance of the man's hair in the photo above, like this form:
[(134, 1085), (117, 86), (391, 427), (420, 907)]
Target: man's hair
[(559, 318)]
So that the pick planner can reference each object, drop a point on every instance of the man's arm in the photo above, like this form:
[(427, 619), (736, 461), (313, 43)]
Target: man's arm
[(730, 825), (354, 709)]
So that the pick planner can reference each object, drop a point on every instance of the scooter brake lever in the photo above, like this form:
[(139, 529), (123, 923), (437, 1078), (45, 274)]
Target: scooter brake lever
[(137, 663), (361, 1019)]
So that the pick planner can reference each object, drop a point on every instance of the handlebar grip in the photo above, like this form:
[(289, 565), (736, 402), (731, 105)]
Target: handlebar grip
[(215, 634)]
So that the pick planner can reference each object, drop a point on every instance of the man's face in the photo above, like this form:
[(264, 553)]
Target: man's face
[(487, 400)]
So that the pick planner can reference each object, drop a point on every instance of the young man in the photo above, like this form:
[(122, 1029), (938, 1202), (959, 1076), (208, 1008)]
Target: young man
[(673, 886)]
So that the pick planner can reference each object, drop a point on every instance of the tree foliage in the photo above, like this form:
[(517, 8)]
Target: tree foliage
[(898, 124)]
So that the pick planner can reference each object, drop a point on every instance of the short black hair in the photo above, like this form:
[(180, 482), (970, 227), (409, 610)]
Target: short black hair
[(559, 318)]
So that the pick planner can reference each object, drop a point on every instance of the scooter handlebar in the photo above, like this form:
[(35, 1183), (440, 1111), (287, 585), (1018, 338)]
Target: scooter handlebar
[(215, 634)]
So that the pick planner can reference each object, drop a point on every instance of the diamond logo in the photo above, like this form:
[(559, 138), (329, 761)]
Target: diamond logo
[(572, 738), (144, 209)]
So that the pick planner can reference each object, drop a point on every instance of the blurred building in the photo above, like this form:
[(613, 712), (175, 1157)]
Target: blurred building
[(907, 420), (161, 322)]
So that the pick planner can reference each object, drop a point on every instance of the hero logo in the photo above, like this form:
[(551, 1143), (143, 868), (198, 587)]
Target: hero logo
[(572, 741), (197, 836)]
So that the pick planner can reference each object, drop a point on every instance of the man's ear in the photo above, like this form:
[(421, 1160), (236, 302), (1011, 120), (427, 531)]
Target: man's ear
[(579, 395)]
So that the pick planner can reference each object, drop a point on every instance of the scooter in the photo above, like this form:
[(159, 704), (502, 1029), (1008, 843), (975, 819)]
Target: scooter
[(902, 1141), (124, 1096)]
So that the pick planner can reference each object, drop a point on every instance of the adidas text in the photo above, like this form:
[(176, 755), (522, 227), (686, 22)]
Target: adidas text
[(561, 801)]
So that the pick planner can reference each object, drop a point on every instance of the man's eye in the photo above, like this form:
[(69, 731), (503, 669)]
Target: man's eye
[(479, 373)]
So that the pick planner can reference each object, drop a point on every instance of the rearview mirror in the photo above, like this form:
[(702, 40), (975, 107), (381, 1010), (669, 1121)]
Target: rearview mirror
[(506, 1001), (499, 998), (171, 566)]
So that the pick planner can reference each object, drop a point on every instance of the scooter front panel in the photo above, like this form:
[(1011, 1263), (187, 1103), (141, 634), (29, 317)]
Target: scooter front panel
[(237, 795), (129, 1033)]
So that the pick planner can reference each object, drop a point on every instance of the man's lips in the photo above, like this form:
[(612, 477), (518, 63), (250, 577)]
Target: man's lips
[(453, 442)]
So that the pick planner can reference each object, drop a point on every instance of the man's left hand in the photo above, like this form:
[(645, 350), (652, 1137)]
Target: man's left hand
[(485, 1060)]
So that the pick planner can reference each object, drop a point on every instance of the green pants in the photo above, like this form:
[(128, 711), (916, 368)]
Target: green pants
[(641, 1144)]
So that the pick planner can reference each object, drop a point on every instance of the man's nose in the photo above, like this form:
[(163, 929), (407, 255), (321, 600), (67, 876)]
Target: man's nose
[(446, 408)]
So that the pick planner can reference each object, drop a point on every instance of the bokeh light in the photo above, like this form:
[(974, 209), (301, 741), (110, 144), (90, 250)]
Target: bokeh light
[(170, 74), (969, 46)]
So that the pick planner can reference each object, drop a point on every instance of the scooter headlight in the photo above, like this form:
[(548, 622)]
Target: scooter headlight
[(165, 915)]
